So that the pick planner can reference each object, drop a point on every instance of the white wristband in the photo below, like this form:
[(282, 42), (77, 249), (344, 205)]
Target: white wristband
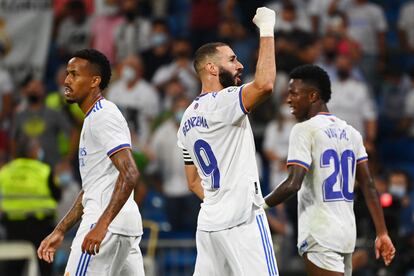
[(267, 30)]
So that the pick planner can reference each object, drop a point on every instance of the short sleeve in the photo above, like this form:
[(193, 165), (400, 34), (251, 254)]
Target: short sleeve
[(360, 152), (300, 143), (231, 109), (111, 131)]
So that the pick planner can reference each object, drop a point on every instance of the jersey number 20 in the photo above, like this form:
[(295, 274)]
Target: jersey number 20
[(207, 162), (342, 165)]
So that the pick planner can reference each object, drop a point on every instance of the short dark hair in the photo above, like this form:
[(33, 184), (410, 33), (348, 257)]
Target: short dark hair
[(208, 49), (99, 62), (314, 76)]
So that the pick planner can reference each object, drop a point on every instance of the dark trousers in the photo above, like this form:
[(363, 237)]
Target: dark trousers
[(182, 212), (32, 230)]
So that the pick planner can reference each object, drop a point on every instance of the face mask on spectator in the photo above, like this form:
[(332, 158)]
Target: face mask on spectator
[(130, 15), (285, 111), (33, 98), (178, 115), (343, 74), (397, 190), (158, 39), (65, 178), (128, 73)]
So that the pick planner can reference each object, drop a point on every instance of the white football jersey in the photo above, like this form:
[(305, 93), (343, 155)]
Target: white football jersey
[(216, 132), (329, 149), (104, 133)]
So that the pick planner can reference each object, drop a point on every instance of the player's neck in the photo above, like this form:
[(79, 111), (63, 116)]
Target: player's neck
[(90, 101), (316, 109), (207, 87)]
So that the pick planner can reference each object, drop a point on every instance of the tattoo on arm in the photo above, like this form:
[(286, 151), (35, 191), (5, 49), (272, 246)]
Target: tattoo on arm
[(125, 184), (72, 216)]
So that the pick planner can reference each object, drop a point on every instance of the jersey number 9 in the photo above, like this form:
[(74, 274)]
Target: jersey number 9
[(207, 162)]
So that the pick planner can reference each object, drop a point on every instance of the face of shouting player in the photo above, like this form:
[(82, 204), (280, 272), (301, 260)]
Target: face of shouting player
[(79, 81), (230, 69), (299, 99)]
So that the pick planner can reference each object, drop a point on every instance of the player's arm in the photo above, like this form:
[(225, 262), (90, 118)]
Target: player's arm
[(125, 184), (194, 180), (50, 244), (383, 243), (288, 187), (261, 87)]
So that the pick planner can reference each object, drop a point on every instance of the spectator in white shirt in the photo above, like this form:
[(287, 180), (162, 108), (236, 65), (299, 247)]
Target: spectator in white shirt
[(406, 32), (181, 67), (136, 98), (352, 102), (182, 206)]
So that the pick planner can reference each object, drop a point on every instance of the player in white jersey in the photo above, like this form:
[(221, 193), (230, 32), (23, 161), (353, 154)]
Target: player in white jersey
[(232, 232), (107, 241), (326, 155)]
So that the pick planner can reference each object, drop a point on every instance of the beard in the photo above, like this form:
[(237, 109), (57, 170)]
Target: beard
[(226, 78)]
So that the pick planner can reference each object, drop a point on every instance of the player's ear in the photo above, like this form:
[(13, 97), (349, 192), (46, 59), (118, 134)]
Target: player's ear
[(96, 80), (212, 68), (314, 96)]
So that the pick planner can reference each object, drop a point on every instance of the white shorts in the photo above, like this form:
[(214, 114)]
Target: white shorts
[(325, 258), (118, 255), (246, 249)]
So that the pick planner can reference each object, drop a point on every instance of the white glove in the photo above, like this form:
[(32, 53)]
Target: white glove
[(265, 20)]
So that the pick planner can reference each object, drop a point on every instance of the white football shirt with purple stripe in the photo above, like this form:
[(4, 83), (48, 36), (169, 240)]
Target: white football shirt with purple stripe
[(104, 133), (329, 149)]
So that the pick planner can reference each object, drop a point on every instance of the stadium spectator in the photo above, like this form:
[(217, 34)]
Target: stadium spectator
[(276, 142), (181, 205), (406, 33), (348, 94), (137, 99), (74, 31), (181, 68), (36, 121), (368, 26), (6, 108), (159, 52), (133, 35), (291, 19), (409, 106), (321, 11), (103, 29), (29, 200)]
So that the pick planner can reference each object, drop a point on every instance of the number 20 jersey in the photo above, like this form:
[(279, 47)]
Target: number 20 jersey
[(216, 133), (329, 149)]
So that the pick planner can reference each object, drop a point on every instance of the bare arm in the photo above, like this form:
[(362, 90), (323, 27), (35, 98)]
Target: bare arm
[(288, 188), (125, 184), (51, 243), (72, 216), (383, 243), (261, 87), (256, 91), (194, 181)]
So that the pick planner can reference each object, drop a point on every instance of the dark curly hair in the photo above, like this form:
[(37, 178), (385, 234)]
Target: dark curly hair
[(316, 77), (99, 63)]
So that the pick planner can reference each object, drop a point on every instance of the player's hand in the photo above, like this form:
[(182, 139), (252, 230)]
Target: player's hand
[(92, 241), (265, 20), (384, 248), (49, 245)]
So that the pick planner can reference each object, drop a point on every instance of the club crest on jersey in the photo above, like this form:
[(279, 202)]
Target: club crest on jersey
[(231, 89), (196, 106), (195, 121)]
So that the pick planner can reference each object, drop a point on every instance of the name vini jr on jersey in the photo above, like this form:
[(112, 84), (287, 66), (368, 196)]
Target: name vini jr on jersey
[(336, 133), (195, 121)]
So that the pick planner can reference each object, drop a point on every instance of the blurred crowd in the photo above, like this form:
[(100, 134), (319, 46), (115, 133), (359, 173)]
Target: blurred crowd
[(367, 48)]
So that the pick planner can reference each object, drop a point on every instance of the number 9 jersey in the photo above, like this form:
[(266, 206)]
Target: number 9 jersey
[(329, 149), (215, 134)]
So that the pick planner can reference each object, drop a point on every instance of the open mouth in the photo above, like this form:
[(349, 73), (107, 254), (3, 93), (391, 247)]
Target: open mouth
[(67, 91)]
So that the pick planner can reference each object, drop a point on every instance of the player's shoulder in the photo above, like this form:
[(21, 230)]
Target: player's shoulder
[(104, 108)]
